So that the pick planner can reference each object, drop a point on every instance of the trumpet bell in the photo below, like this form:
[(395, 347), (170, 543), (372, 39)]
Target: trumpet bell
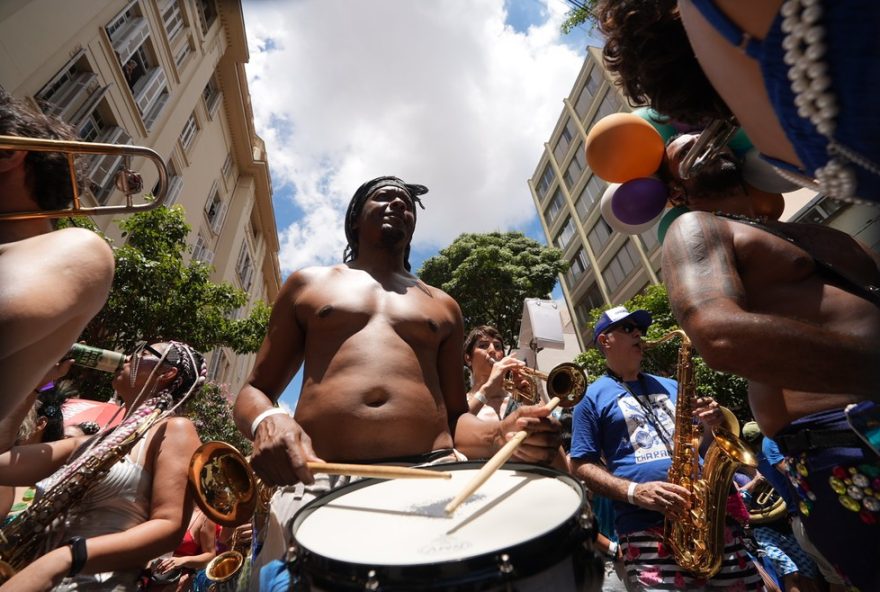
[(225, 486), (567, 381), (126, 181)]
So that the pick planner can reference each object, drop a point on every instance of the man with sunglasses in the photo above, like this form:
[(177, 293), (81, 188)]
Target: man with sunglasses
[(622, 441)]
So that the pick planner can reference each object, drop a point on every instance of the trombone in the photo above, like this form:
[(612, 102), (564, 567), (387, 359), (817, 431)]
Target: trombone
[(127, 181)]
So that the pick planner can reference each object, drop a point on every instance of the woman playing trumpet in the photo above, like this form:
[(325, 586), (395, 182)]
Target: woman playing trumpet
[(491, 375), (484, 356), (139, 508)]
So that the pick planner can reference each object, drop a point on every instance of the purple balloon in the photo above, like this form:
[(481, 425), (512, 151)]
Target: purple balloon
[(639, 200)]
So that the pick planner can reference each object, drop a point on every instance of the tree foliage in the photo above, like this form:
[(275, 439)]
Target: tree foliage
[(156, 296), (211, 412), (491, 274), (729, 390), (581, 13)]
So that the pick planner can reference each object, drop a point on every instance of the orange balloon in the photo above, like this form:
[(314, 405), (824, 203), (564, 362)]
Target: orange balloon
[(623, 146), (766, 204)]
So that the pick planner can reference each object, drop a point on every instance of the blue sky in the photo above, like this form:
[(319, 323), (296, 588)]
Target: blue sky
[(459, 95)]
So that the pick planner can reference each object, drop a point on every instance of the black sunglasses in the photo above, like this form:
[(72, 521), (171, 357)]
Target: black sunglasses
[(626, 328)]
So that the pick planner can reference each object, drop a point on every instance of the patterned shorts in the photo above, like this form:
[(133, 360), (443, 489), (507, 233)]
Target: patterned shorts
[(650, 565), (784, 553)]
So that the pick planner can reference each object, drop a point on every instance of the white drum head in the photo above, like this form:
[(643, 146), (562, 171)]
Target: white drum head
[(402, 521)]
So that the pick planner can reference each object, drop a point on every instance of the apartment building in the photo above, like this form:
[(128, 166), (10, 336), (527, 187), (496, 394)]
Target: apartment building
[(167, 74), (607, 267)]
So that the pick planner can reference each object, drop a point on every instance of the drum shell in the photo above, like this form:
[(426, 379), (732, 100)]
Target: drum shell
[(562, 554)]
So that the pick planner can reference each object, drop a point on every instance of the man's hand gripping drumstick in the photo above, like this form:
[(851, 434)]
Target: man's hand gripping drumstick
[(504, 454)]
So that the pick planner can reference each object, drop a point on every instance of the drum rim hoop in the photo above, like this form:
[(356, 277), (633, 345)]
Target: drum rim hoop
[(565, 535)]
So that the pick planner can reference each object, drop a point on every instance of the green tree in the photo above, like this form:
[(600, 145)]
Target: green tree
[(581, 13), (728, 390), (211, 412), (491, 274), (156, 296)]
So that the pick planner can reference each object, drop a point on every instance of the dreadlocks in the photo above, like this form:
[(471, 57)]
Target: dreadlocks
[(357, 204)]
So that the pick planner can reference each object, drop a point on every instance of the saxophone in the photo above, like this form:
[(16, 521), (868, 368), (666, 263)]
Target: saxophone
[(22, 540), (697, 540)]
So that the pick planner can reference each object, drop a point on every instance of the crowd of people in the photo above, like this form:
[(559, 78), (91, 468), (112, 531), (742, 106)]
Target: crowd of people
[(792, 308)]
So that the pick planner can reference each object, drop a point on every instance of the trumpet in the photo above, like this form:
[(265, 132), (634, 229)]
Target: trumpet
[(707, 147), (567, 381), (127, 181)]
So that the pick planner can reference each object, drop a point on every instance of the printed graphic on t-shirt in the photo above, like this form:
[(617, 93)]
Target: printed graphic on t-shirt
[(648, 445)]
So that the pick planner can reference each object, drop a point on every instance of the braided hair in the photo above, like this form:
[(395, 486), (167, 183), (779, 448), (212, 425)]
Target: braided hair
[(357, 204)]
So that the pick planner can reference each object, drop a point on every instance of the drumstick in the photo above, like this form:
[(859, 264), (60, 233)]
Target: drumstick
[(377, 471), (493, 464)]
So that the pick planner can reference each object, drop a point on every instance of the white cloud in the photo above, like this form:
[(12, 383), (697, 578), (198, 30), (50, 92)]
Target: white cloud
[(439, 93)]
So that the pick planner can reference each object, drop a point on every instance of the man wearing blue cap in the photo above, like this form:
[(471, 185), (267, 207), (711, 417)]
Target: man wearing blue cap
[(622, 442)]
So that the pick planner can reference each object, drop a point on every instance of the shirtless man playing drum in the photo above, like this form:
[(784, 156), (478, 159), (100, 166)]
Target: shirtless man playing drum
[(794, 309), (383, 374)]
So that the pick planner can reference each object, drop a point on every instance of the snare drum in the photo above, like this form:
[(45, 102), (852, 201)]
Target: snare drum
[(526, 528)]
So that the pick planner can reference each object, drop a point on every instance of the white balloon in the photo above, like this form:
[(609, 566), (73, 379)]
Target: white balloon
[(760, 174), (614, 222)]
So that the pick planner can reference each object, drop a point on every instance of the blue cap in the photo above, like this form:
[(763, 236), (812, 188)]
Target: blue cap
[(614, 316)]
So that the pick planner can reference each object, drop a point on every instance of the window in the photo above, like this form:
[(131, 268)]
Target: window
[(173, 19), (621, 266), (219, 366), (207, 10), (595, 80), (73, 93), (650, 238), (565, 235), (599, 236), (201, 250), (577, 267), (211, 95), (129, 34), (190, 129), (545, 181), (554, 208), (182, 53), (215, 210), (584, 100), (245, 266), (227, 165), (589, 194), (175, 185), (592, 299), (128, 15), (568, 132), (575, 167)]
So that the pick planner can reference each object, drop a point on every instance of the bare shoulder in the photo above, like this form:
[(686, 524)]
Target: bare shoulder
[(693, 234), (440, 296), (176, 431), (303, 278)]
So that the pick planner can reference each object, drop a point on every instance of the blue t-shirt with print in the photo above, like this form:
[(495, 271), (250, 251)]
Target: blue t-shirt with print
[(610, 423), (769, 457)]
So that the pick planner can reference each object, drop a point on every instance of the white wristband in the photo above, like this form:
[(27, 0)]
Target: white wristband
[(481, 398), (630, 492), (259, 419)]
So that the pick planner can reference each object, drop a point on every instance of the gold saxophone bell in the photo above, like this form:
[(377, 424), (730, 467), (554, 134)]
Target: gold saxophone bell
[(225, 486), (222, 571), (568, 381), (127, 180)]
